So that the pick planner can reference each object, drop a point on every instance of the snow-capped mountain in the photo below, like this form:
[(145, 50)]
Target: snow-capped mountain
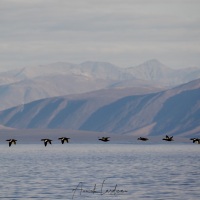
[(153, 70), (33, 83)]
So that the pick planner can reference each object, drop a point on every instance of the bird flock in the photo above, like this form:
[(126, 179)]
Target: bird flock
[(45, 140), (170, 138), (103, 139)]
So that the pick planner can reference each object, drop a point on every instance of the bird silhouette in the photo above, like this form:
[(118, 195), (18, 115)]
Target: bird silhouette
[(64, 139), (195, 140), (167, 138), (104, 139), (11, 141), (143, 138), (46, 141)]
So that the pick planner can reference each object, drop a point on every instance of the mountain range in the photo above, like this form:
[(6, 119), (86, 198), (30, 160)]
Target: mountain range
[(131, 111), (28, 84)]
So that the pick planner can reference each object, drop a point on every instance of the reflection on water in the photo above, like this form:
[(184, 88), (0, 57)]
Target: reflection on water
[(100, 171)]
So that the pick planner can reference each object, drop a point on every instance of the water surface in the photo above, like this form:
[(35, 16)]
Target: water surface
[(100, 171)]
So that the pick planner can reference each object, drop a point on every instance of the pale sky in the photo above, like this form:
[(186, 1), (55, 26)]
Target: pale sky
[(123, 32)]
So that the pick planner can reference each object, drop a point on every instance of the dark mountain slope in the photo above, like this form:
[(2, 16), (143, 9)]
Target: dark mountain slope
[(175, 111), (179, 113), (123, 113)]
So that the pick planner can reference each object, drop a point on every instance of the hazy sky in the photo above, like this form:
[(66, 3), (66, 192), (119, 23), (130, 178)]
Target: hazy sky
[(123, 32)]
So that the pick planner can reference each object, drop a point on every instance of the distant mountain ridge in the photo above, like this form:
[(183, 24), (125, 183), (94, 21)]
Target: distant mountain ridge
[(150, 70), (22, 86), (174, 111), (153, 70)]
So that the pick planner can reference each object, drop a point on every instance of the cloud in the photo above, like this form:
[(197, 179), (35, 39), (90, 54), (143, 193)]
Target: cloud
[(122, 32)]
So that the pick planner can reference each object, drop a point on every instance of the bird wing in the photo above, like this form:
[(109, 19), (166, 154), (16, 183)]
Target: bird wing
[(10, 143), (67, 140)]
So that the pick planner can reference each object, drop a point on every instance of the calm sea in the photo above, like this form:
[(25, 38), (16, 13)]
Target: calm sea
[(100, 171)]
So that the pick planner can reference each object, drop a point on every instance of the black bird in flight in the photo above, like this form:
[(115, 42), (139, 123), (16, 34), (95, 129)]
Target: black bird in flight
[(64, 139), (143, 138), (167, 138), (104, 139), (195, 140), (11, 141), (46, 141)]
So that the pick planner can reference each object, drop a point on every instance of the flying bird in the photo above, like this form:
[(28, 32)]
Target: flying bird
[(64, 139), (143, 138), (167, 138), (11, 141), (46, 141), (104, 139), (195, 140)]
